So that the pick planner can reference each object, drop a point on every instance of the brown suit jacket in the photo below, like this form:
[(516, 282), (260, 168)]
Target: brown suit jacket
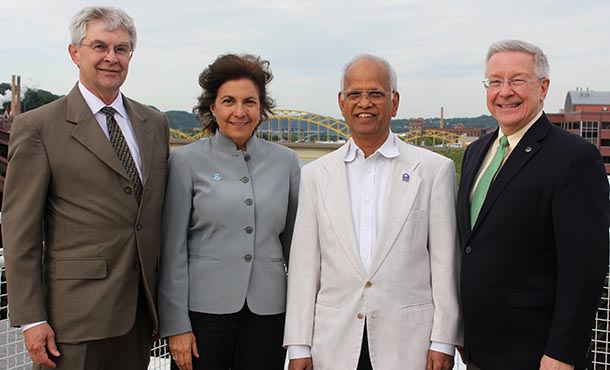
[(75, 241)]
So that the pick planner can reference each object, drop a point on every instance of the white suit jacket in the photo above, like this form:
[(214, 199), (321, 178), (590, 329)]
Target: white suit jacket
[(410, 295)]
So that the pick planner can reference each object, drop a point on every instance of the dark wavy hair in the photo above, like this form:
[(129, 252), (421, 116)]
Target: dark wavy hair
[(229, 67)]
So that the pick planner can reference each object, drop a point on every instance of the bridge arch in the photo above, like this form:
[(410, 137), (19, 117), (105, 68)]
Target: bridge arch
[(416, 136), (291, 125), (296, 125)]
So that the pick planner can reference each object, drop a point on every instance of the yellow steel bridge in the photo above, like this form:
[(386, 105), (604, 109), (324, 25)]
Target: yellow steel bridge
[(290, 125)]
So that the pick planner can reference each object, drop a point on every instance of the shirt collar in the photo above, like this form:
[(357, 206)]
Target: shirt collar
[(388, 149), (514, 139), (95, 104)]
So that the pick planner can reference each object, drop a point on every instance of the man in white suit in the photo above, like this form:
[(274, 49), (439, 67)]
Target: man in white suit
[(374, 260)]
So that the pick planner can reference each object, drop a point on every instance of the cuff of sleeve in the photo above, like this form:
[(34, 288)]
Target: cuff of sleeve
[(448, 349), (29, 326), (298, 352)]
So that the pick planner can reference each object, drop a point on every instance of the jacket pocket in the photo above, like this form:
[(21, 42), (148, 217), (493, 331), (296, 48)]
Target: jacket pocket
[(417, 306), (81, 268)]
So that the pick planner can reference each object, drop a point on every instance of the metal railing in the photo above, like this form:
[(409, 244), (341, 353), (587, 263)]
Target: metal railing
[(14, 356)]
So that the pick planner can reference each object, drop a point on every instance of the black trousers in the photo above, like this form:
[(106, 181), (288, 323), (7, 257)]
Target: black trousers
[(364, 362), (238, 341)]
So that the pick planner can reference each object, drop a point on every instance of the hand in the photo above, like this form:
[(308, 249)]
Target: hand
[(439, 361), (183, 347), (548, 363), (301, 364), (40, 341)]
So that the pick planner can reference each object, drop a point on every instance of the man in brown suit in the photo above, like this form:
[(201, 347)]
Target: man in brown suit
[(82, 210)]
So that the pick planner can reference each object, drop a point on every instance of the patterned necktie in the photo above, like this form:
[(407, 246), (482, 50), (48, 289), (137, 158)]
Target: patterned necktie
[(122, 151), (481, 191)]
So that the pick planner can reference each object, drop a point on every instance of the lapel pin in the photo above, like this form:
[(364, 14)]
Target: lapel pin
[(405, 177), (217, 176), (528, 149)]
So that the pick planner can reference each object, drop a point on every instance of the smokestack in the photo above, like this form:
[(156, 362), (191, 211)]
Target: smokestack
[(442, 119), (18, 96), (15, 95)]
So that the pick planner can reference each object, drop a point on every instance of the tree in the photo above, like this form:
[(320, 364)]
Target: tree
[(3, 87), (34, 98), (455, 154)]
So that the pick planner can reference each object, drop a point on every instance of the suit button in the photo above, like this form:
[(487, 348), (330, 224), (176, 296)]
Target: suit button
[(468, 249), (249, 202), (244, 179), (136, 266), (248, 257), (249, 229), (127, 190), (360, 316), (368, 284), (139, 227)]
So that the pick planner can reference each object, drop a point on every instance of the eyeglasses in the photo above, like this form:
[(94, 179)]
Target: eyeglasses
[(513, 83), (373, 96), (103, 49)]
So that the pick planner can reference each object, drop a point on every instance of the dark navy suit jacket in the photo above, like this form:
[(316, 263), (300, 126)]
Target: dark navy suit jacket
[(534, 264)]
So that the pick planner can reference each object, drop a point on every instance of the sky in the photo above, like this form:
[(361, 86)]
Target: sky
[(437, 47)]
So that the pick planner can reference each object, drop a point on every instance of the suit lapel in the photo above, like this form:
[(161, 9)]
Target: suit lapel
[(88, 132), (524, 151), (400, 195), (336, 201), (144, 137), (469, 175)]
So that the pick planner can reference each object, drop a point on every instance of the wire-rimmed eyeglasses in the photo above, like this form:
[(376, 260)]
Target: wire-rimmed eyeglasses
[(373, 96), (119, 50), (514, 83)]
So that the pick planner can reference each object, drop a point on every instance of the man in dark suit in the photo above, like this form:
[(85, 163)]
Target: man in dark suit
[(535, 241), (82, 210)]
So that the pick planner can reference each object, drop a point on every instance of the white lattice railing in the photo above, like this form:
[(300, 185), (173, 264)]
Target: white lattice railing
[(13, 355)]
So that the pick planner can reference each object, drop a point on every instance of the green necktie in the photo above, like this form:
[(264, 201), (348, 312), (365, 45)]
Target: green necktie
[(481, 191)]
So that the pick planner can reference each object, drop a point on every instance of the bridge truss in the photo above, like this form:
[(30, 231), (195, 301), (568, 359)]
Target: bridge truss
[(300, 126)]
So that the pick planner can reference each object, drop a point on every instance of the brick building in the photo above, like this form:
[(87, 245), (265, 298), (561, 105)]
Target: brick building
[(459, 129), (586, 114)]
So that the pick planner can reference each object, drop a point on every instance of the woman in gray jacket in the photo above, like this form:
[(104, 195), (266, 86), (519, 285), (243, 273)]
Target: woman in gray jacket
[(228, 218)]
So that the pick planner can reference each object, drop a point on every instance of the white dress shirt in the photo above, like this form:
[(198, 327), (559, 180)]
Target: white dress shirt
[(121, 117), (367, 180)]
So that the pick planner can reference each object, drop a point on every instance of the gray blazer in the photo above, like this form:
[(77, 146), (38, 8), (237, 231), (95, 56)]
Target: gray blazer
[(227, 227)]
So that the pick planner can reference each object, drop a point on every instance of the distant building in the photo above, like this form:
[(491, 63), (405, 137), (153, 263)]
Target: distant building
[(416, 124), (586, 114), (459, 129)]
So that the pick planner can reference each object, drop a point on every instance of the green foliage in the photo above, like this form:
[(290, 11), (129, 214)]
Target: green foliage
[(3, 87), (455, 154), (183, 121), (34, 98)]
